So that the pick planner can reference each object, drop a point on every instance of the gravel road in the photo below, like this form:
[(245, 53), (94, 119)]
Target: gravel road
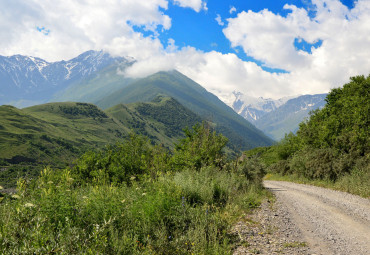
[(330, 222)]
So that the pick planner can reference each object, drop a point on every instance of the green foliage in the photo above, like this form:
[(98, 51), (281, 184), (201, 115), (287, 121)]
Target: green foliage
[(288, 146), (200, 147), (88, 110), (56, 134), (252, 170), (125, 200), (122, 162), (333, 142), (343, 124)]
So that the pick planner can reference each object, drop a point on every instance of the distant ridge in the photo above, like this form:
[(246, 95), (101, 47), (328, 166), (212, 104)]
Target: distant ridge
[(277, 117), (27, 80)]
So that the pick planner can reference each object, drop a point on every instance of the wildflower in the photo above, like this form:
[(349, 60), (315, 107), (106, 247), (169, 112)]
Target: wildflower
[(29, 205)]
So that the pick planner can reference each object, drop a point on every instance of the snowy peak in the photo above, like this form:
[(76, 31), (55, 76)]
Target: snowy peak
[(252, 108), (32, 78), (277, 117)]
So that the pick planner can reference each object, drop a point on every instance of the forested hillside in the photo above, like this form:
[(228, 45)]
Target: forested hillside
[(57, 133), (333, 145)]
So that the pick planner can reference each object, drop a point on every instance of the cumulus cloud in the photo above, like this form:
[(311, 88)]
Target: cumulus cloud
[(77, 26), (219, 20), (232, 10), (196, 5), (345, 50), (219, 73), (269, 37)]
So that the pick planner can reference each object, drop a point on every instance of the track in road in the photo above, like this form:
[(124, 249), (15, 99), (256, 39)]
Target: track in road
[(331, 222)]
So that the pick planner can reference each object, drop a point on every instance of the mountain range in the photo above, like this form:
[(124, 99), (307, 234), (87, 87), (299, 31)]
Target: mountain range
[(277, 117), (29, 80), (97, 77)]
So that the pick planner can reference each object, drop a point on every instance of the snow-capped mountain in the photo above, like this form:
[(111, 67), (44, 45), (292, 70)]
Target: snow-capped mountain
[(252, 108), (34, 80), (277, 117)]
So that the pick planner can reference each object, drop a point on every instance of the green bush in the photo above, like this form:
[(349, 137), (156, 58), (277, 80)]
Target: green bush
[(201, 147), (122, 162), (252, 170)]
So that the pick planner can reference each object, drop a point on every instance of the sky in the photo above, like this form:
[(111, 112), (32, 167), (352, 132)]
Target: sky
[(265, 48)]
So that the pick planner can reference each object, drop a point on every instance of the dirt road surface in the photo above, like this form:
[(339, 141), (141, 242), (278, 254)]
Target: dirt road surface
[(330, 222)]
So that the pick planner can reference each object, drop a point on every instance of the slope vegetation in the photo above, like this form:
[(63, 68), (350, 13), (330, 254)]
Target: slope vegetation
[(56, 133), (242, 135), (333, 145)]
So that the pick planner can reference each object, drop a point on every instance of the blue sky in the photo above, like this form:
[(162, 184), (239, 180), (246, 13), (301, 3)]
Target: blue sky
[(268, 48), (202, 31)]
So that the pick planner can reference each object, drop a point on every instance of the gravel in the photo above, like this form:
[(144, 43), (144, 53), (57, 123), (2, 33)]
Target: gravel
[(331, 222), (306, 219)]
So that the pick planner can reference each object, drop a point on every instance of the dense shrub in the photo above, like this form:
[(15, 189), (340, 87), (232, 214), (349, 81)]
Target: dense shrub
[(122, 162), (329, 144), (202, 146)]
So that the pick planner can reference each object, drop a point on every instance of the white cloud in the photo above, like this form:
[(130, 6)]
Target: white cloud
[(77, 26), (232, 10), (219, 73), (196, 5), (345, 50), (219, 20)]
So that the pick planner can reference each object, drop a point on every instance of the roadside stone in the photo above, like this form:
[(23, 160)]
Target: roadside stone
[(268, 231)]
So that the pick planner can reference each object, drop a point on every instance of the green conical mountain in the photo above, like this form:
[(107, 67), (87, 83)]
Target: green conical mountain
[(242, 135)]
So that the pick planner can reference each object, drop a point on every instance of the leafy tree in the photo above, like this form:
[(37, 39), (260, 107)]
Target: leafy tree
[(330, 143), (343, 124), (122, 162), (202, 146)]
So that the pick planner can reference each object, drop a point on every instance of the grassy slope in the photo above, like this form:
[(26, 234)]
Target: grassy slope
[(161, 120), (56, 133), (193, 96)]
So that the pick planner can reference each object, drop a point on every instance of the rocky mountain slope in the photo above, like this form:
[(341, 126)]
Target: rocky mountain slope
[(27, 80), (277, 117)]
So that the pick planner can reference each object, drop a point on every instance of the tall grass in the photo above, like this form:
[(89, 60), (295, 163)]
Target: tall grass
[(181, 213), (131, 199)]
